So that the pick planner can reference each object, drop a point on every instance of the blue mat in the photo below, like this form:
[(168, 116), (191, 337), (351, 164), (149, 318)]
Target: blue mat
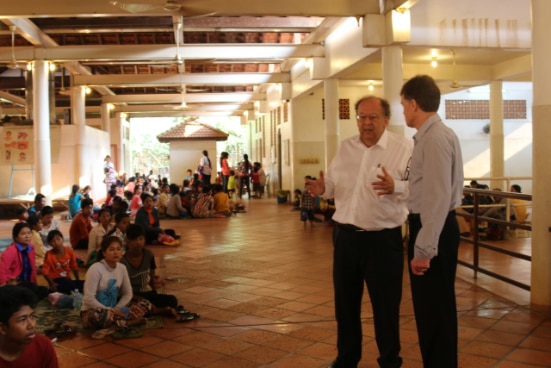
[(4, 242)]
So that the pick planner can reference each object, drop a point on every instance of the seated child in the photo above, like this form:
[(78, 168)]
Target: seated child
[(59, 263), (22, 214), (81, 225), (141, 266), (163, 200), (204, 205), (36, 225), (122, 219), (174, 205), (48, 224), (107, 301), (20, 346), (148, 217), (96, 235), (221, 201)]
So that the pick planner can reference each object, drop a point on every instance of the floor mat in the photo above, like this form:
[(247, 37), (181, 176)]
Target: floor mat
[(47, 316)]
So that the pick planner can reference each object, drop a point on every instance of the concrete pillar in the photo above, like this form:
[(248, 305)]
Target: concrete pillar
[(105, 117), (41, 113), (541, 126), (78, 110), (331, 95), (122, 159), (392, 84), (497, 153)]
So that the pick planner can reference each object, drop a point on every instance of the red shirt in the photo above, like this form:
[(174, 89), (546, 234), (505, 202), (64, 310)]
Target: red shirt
[(80, 229), (39, 353)]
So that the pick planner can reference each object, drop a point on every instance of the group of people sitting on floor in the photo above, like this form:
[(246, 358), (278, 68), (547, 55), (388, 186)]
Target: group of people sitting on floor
[(120, 288)]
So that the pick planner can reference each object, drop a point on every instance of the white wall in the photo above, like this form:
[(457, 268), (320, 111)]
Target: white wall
[(63, 167), (186, 155)]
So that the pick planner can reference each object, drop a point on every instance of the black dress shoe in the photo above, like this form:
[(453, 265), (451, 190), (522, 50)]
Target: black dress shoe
[(336, 364)]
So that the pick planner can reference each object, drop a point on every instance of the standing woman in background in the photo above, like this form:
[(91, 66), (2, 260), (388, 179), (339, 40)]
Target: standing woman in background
[(225, 170), (110, 173), (245, 170), (206, 168)]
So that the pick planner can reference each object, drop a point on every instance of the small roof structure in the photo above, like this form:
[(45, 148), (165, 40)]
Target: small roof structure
[(192, 130)]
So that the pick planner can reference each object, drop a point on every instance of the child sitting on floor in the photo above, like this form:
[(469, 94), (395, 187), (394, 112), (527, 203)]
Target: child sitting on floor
[(58, 265), (36, 225), (141, 266)]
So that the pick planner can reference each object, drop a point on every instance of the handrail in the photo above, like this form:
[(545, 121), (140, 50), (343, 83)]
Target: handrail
[(478, 243)]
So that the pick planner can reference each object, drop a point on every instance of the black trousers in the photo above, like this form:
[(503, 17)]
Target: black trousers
[(376, 258), (434, 297)]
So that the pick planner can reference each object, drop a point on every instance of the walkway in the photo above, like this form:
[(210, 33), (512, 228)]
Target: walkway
[(262, 284)]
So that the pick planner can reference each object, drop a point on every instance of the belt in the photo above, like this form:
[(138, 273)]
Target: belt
[(349, 227)]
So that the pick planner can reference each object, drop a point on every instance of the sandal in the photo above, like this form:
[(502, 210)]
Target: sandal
[(187, 317), (60, 332), (127, 333), (100, 334), (181, 310)]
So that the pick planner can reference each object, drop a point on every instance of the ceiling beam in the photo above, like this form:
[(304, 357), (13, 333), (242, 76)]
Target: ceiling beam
[(161, 52), (191, 107), (235, 97), (157, 80)]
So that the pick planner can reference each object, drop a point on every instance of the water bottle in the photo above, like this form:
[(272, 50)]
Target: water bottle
[(77, 300)]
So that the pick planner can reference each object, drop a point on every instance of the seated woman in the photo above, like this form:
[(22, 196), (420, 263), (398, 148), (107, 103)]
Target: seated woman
[(18, 262), (74, 201), (148, 217), (107, 301), (140, 264), (204, 205), (174, 208), (58, 265)]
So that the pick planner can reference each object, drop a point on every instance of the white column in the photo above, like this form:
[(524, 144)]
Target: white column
[(41, 113), (541, 126), (392, 84), (105, 117), (78, 109), (331, 95), (120, 121), (497, 155)]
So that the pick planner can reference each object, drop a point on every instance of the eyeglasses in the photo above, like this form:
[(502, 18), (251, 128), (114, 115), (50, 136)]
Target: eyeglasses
[(406, 173), (372, 117)]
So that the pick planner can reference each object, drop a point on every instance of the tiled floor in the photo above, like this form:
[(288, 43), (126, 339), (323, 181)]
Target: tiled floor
[(262, 284)]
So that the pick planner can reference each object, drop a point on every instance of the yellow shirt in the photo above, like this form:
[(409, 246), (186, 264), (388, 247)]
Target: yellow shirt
[(39, 250)]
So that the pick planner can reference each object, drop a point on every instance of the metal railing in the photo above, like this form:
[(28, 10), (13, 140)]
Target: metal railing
[(477, 218)]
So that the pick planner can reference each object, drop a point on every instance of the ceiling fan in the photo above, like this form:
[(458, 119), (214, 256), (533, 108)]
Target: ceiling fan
[(454, 83), (169, 6), (13, 62)]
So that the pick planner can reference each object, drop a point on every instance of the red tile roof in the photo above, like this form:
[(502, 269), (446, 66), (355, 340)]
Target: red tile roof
[(192, 130)]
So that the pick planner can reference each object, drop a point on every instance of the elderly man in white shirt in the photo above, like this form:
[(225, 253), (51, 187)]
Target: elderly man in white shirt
[(367, 180)]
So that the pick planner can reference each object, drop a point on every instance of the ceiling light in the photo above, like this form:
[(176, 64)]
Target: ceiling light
[(172, 5), (434, 62)]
